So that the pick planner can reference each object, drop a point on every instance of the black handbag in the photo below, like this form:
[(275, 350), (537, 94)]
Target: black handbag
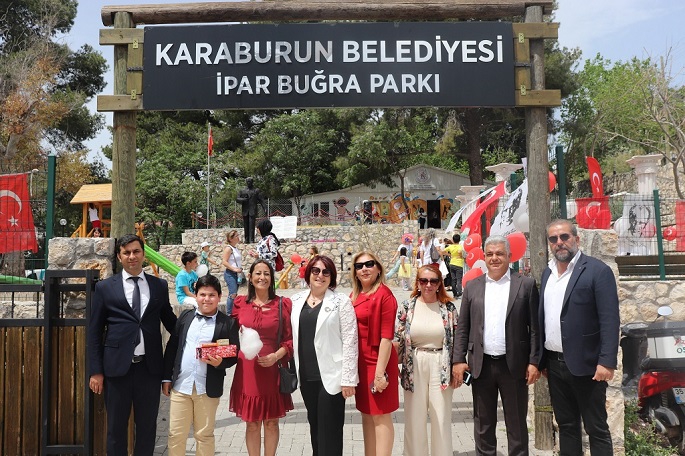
[(287, 373)]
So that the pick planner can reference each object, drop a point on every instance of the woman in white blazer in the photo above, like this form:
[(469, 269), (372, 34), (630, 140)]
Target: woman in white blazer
[(325, 345)]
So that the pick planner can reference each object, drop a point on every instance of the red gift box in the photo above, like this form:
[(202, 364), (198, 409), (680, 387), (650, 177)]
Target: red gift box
[(216, 350)]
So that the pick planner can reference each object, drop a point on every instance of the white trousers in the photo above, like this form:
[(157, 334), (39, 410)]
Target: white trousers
[(428, 399)]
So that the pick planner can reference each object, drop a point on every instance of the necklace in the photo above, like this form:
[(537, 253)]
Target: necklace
[(314, 301)]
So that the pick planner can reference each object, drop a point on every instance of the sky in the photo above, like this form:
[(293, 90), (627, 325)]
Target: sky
[(616, 29)]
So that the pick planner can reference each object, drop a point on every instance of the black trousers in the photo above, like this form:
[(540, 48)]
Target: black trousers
[(495, 377), (575, 398), (456, 273), (142, 390), (249, 227), (326, 416)]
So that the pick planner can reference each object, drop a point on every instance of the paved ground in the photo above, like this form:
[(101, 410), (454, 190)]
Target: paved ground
[(294, 439)]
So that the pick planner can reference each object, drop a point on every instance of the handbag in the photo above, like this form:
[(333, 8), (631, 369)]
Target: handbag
[(287, 373)]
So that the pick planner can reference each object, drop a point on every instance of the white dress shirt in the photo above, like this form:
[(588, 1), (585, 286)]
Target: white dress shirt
[(555, 289), (193, 371), (144, 300), (496, 301)]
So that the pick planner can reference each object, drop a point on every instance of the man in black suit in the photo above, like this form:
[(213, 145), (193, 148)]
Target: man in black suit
[(125, 348), (498, 329), (579, 326)]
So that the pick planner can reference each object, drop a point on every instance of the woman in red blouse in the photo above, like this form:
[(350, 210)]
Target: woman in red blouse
[(378, 392)]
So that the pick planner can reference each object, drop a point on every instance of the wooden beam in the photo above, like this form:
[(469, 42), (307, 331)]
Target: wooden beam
[(539, 98), (319, 10), (537, 30), (121, 36), (113, 103)]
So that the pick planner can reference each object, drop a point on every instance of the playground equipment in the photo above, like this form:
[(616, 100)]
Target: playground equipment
[(100, 195), (157, 259), (20, 280)]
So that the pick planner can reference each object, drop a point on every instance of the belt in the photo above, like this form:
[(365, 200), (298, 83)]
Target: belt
[(494, 357), (558, 356), (137, 358), (428, 349)]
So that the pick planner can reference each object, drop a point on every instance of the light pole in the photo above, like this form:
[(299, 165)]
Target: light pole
[(63, 223)]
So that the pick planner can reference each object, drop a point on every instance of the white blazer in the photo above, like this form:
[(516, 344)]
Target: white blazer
[(335, 340)]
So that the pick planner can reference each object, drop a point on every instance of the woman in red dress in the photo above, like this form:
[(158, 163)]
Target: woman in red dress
[(255, 394), (378, 392)]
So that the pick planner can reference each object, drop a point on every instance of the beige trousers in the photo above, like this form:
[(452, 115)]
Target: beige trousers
[(198, 410), (428, 399)]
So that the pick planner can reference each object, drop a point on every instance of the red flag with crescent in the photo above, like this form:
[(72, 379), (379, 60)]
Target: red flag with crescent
[(210, 142), (595, 176), (472, 223), (17, 232)]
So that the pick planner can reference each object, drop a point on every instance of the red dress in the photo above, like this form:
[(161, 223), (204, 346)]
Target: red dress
[(255, 394), (376, 318)]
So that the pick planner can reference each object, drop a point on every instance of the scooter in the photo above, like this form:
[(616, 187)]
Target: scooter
[(659, 351)]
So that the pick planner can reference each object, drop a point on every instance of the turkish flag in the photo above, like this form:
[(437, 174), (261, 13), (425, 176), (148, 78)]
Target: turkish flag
[(473, 222), (210, 143), (17, 232), (595, 177)]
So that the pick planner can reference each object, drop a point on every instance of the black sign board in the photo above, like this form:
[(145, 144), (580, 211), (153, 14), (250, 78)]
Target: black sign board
[(260, 66)]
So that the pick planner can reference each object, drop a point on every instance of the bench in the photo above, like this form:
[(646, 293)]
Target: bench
[(641, 267)]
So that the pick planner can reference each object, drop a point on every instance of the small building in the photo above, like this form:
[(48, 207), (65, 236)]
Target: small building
[(426, 187), (100, 196)]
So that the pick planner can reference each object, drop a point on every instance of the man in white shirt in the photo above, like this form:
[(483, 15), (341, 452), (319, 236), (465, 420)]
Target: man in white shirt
[(498, 329)]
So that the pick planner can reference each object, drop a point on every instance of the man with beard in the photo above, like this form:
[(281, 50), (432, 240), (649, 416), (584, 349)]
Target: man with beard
[(579, 324)]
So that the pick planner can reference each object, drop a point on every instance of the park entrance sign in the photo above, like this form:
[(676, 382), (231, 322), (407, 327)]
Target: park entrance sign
[(260, 66)]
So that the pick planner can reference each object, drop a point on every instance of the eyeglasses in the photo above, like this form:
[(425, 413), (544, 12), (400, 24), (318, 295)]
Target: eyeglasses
[(369, 264), (316, 271), (564, 237), (433, 281)]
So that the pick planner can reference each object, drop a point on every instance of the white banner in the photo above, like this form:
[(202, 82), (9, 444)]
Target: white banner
[(515, 205)]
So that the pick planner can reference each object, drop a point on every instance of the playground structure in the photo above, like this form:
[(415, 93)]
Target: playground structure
[(100, 195)]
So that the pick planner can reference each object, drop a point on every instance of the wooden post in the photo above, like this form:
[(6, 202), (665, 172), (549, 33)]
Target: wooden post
[(538, 169), (124, 144)]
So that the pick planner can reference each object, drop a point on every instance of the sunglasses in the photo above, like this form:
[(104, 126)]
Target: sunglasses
[(564, 237), (316, 271), (433, 281), (369, 264)]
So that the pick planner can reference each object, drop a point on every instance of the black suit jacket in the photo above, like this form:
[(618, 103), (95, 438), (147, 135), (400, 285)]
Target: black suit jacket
[(521, 326), (590, 321), (226, 328), (113, 327)]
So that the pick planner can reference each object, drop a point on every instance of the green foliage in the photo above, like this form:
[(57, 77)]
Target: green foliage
[(640, 439)]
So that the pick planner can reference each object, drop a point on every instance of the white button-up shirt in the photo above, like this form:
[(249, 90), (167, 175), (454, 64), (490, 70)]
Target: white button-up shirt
[(144, 300), (193, 371), (555, 289), (496, 301)]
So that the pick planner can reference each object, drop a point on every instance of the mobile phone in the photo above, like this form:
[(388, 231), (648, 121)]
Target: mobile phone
[(467, 378), (373, 387)]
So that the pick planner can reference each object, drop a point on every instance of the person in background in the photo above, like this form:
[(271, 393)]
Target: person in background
[(124, 347), (404, 272), (267, 247), (424, 336), (204, 256), (255, 394), (579, 327), (313, 251), (378, 394), (93, 216), (196, 385), (232, 260), (186, 278), (407, 244), (301, 272), (498, 329), (97, 232), (326, 350), (456, 266)]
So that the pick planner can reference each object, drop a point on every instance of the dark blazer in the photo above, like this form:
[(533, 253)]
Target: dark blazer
[(521, 326), (590, 321), (226, 328), (113, 326)]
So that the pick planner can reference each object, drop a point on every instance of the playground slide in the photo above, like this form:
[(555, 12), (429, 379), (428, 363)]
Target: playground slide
[(164, 263), (19, 280)]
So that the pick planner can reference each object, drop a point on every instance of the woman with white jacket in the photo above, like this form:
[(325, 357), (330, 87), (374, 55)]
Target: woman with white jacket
[(326, 351)]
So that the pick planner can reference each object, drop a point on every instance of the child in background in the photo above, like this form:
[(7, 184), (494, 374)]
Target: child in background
[(404, 272), (197, 383), (204, 256), (186, 278), (301, 271)]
